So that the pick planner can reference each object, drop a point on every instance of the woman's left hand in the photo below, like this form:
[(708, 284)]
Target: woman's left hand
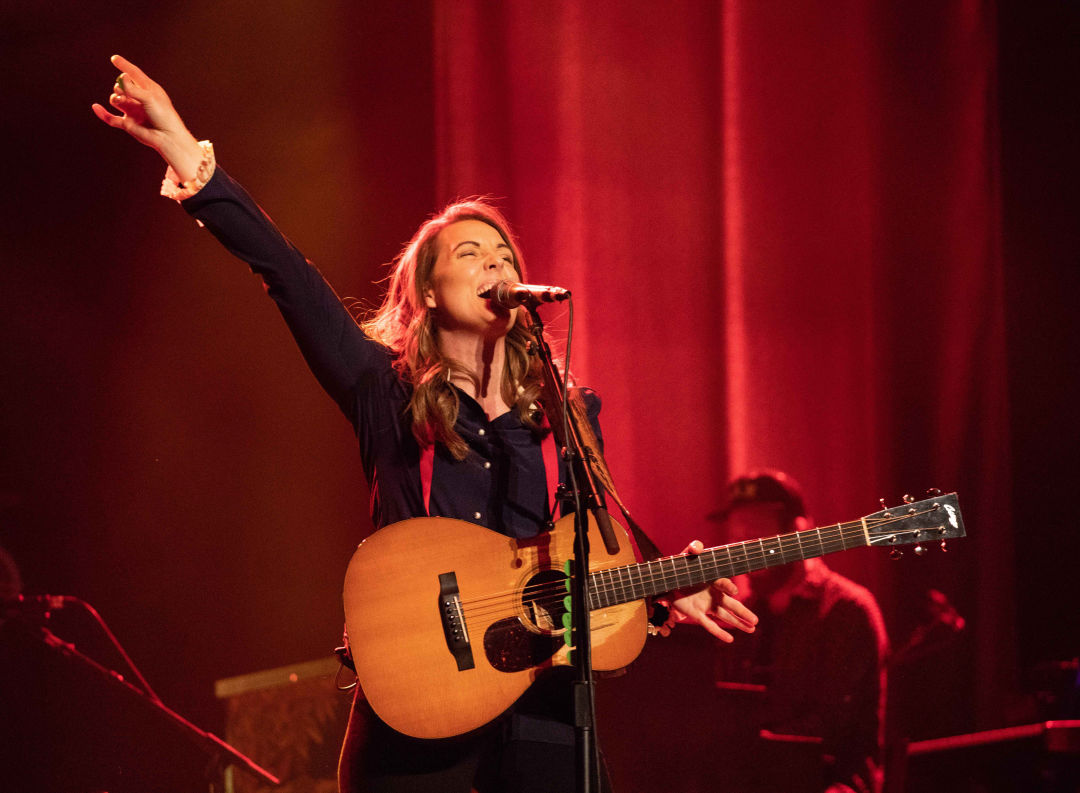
[(711, 606)]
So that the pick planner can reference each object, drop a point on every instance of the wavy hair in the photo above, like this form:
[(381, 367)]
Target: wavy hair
[(406, 326)]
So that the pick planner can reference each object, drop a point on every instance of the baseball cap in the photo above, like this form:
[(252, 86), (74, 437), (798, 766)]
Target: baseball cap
[(762, 486)]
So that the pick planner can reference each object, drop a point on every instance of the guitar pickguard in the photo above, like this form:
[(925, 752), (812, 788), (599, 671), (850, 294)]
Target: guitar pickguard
[(511, 647)]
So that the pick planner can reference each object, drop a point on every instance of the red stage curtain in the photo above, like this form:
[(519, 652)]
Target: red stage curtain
[(781, 225)]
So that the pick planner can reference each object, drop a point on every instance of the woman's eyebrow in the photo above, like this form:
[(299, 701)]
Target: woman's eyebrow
[(477, 244)]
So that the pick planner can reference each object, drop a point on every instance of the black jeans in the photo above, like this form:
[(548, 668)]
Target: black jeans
[(529, 749)]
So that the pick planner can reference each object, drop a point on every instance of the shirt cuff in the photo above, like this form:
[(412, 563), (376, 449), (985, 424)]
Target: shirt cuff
[(173, 188)]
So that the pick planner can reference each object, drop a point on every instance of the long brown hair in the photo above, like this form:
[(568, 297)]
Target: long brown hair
[(405, 325)]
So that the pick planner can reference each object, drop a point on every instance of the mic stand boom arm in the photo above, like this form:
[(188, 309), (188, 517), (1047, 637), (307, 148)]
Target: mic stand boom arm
[(587, 496), (221, 754)]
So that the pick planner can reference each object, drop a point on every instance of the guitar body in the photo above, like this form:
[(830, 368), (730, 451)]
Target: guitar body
[(449, 623)]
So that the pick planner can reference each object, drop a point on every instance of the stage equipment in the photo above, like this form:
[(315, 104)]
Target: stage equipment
[(508, 294), (1034, 758), (293, 718), (69, 724)]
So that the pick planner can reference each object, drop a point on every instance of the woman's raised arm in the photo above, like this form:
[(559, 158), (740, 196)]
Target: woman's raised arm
[(147, 114)]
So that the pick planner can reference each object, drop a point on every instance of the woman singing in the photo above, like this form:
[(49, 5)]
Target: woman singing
[(443, 398)]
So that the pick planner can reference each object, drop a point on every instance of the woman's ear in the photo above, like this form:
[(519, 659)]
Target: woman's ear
[(429, 298)]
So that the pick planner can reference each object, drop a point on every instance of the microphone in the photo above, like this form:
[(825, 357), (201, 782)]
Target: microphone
[(509, 294)]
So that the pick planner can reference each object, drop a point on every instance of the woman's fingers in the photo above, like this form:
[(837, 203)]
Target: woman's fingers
[(124, 65), (737, 621), (711, 626), (148, 116), (109, 118), (732, 610), (112, 119), (126, 85), (145, 111), (726, 587), (134, 114), (131, 119), (729, 608), (125, 104)]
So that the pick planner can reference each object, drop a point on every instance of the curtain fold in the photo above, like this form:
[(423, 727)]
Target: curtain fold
[(780, 222)]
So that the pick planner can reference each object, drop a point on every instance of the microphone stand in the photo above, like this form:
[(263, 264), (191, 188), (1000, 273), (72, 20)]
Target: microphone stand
[(587, 496), (220, 754)]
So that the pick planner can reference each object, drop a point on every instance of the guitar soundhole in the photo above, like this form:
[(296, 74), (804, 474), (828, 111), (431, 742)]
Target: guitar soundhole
[(542, 602), (528, 640)]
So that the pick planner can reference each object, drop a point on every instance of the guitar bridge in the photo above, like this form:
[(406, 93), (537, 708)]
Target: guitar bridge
[(455, 630)]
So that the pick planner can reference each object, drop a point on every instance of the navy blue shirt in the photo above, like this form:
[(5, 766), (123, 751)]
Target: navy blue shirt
[(501, 484)]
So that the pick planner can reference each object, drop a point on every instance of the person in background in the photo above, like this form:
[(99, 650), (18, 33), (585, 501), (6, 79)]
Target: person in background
[(821, 651)]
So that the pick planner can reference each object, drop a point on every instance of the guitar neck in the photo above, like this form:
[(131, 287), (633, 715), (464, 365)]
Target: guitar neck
[(636, 581)]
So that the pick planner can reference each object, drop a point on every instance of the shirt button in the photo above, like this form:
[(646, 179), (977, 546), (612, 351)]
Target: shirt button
[(476, 516), (487, 463), (481, 432)]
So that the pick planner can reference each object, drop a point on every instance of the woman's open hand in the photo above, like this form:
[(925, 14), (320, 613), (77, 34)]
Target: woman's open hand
[(147, 114), (713, 606)]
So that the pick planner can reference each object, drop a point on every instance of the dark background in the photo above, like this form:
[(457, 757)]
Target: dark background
[(165, 454)]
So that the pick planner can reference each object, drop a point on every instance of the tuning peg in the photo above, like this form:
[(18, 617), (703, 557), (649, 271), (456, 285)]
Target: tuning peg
[(895, 554), (934, 492), (908, 499), (882, 502), (920, 549), (944, 548)]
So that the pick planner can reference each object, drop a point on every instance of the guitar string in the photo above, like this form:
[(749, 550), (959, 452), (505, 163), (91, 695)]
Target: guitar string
[(830, 536), (837, 534), (832, 539), (708, 560), (552, 605), (622, 582)]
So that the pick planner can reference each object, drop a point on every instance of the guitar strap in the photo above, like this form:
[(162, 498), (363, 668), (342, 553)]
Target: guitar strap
[(602, 474)]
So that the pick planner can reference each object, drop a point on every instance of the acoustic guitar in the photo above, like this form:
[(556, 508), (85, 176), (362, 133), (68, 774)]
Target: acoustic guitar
[(449, 623)]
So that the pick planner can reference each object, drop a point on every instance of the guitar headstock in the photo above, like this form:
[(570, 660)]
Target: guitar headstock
[(917, 523)]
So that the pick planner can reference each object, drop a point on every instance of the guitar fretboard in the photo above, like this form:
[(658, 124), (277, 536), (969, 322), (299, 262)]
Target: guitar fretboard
[(636, 581)]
